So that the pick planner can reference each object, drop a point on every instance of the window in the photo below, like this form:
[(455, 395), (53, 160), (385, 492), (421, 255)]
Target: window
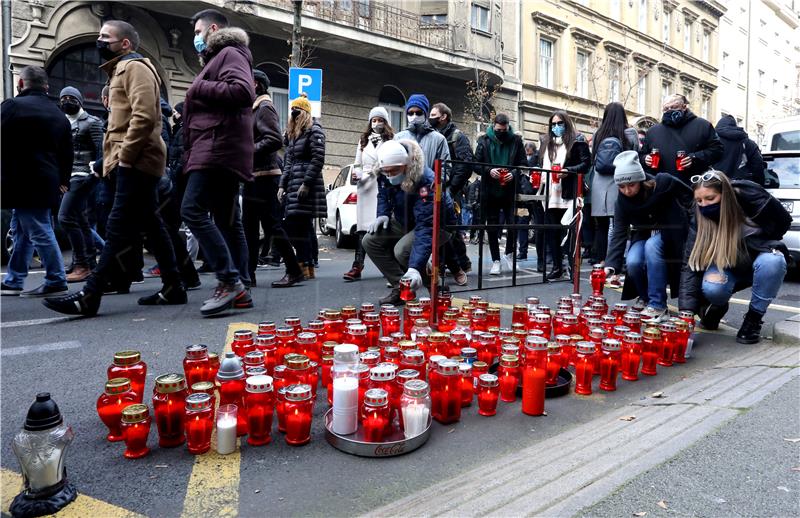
[(761, 81), (433, 19), (740, 72), (345, 5), (641, 94), (363, 8), (666, 29), (725, 64), (666, 89), (582, 83), (393, 100), (687, 37), (615, 73), (704, 108), (546, 63), (279, 90), (480, 18), (643, 16), (688, 92), (706, 45)]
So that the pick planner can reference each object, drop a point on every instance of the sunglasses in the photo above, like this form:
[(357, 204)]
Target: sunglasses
[(705, 177), (560, 123), (415, 112)]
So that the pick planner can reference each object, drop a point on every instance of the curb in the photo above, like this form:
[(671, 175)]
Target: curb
[(787, 332)]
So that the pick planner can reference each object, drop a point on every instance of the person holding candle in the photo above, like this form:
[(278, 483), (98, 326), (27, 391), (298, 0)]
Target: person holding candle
[(734, 243)]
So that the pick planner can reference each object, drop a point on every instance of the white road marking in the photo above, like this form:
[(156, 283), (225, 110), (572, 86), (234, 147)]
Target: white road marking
[(34, 322), (26, 349)]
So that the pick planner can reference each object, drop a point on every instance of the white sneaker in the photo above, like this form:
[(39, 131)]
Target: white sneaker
[(651, 313), (506, 261), (495, 268)]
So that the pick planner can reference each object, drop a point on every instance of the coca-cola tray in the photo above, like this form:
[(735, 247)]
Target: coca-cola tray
[(561, 388), (355, 444)]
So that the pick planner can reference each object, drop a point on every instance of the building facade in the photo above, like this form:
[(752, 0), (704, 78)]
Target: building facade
[(759, 62), (579, 55), (372, 52)]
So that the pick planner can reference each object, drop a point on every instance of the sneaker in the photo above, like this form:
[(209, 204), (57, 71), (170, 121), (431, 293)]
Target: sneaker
[(393, 298), (44, 291), (153, 271), (460, 278), (495, 268), (167, 296), (5, 289), (222, 298), (80, 303), (651, 313), (244, 300), (750, 332), (711, 315)]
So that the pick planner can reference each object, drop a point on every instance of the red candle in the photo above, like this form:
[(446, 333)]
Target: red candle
[(375, 412), (609, 364), (267, 327), (268, 345), (280, 408), (373, 323), (411, 313), (443, 302), (584, 368), (598, 279), (356, 334), (116, 397), (467, 384), (243, 342), (619, 310), (669, 335), (206, 387), (680, 155), (168, 405), (260, 409), (413, 359), (129, 364), (447, 405), (655, 159), (287, 342), (365, 308), (651, 346), (508, 374), (596, 336), (196, 366), (458, 340), (390, 320), (631, 356), (682, 333), (555, 361), (633, 320), (213, 366), (298, 369), (253, 359), (493, 317), (534, 375), (199, 422), (231, 392), (298, 409), (519, 314), (488, 394), (438, 344), (135, 428), (306, 344)]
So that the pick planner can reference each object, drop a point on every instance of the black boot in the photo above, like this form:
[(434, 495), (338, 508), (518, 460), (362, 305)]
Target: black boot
[(167, 296), (711, 315), (393, 298), (750, 332)]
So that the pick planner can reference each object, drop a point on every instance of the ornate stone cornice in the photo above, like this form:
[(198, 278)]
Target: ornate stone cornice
[(667, 72), (615, 50), (548, 25), (688, 79), (670, 5), (689, 15), (707, 88), (585, 39), (642, 61)]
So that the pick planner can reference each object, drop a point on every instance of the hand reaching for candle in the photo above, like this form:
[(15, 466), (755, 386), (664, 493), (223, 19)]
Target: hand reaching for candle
[(414, 276)]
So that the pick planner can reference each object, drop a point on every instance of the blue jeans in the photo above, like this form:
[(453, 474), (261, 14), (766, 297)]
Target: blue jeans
[(766, 277), (33, 229), (648, 270)]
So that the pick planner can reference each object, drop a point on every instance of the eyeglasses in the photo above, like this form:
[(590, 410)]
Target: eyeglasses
[(705, 177)]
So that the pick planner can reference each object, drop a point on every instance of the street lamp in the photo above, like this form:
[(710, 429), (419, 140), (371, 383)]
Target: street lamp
[(40, 449)]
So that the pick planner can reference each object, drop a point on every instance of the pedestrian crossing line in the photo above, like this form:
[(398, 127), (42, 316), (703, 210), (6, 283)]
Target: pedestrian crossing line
[(82, 506), (213, 487)]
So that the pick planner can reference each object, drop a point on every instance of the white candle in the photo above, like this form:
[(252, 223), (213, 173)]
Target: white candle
[(345, 405), (415, 419), (226, 435)]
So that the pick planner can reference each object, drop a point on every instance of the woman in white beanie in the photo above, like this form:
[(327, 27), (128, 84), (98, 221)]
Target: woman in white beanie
[(365, 172), (656, 208)]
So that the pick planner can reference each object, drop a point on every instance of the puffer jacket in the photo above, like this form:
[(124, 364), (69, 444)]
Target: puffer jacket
[(411, 204), (434, 144), (87, 142), (302, 164)]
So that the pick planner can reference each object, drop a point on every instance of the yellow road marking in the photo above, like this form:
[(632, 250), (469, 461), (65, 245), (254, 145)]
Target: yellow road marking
[(213, 488), (11, 484)]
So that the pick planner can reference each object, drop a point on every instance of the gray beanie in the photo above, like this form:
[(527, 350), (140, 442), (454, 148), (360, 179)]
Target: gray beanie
[(379, 111), (72, 92), (627, 168)]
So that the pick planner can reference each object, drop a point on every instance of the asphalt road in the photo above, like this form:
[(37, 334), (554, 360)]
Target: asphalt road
[(311, 480)]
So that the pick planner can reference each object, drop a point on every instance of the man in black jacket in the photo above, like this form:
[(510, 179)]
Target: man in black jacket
[(35, 168), (681, 130), (741, 158)]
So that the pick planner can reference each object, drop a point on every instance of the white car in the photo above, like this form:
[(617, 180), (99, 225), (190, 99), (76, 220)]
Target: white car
[(341, 198), (782, 180)]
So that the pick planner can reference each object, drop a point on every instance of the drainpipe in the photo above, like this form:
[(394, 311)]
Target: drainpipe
[(747, 80), (8, 77)]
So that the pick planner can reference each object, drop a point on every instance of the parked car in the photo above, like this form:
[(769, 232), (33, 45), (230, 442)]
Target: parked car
[(341, 198), (782, 180), (783, 135)]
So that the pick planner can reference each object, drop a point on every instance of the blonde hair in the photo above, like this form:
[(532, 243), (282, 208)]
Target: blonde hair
[(297, 125), (718, 243)]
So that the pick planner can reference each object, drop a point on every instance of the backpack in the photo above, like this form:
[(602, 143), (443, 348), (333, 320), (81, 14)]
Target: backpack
[(604, 157)]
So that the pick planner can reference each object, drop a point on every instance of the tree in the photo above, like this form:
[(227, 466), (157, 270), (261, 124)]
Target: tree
[(478, 99)]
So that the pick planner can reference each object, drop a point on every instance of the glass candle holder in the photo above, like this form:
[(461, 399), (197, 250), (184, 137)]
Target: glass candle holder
[(682, 334), (493, 317), (307, 344), (555, 361), (534, 376), (519, 314), (287, 343), (115, 398), (199, 423), (243, 342), (632, 320), (508, 374), (294, 323), (631, 356), (299, 406), (196, 367), (413, 359), (655, 159), (406, 292), (669, 338), (411, 315), (267, 327), (253, 359), (609, 364), (584, 368), (488, 394), (485, 346), (479, 320), (651, 348), (227, 419), (268, 345), (567, 347), (135, 429), (598, 279), (608, 323), (390, 320), (365, 308), (280, 408), (375, 415), (373, 323), (467, 384), (542, 322), (231, 389), (618, 311), (427, 307), (213, 366), (478, 368), (129, 364), (448, 393), (260, 403), (415, 408), (596, 336), (391, 354), (356, 334), (458, 340), (438, 344), (168, 405)]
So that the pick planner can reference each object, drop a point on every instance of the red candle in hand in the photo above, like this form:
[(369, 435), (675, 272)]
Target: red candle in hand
[(260, 409), (168, 405), (584, 368), (117, 396), (199, 422), (298, 410), (135, 428), (129, 364), (609, 364)]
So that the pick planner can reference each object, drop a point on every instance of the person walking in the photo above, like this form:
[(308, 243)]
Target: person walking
[(563, 147), (134, 155), (655, 206), (681, 131), (365, 173), (302, 188), (741, 159), (35, 169), (734, 243), (218, 138), (612, 138), (87, 141)]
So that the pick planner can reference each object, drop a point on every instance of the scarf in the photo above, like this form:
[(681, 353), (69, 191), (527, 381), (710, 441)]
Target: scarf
[(500, 152)]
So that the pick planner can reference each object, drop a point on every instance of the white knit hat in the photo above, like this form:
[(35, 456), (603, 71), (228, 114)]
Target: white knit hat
[(627, 168), (392, 153), (379, 111)]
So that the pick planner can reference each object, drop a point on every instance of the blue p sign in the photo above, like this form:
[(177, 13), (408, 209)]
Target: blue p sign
[(307, 81)]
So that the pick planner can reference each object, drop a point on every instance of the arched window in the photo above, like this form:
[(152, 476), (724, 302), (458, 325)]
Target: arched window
[(278, 89), (394, 101)]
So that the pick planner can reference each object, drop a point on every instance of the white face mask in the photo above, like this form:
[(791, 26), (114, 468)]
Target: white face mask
[(415, 119), (377, 127)]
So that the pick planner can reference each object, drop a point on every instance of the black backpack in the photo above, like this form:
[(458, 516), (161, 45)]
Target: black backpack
[(604, 157)]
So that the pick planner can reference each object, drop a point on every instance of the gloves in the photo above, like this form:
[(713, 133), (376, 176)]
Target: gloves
[(281, 193), (379, 221), (415, 278), (302, 192)]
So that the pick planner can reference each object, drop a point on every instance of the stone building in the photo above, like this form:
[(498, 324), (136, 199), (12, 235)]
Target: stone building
[(580, 55), (371, 52)]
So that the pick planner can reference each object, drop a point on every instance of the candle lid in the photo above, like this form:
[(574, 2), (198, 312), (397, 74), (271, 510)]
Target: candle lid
[(424, 301), (259, 384), (634, 338), (371, 317), (117, 386), (390, 311), (608, 319), (243, 335), (611, 344), (415, 310), (306, 337), (254, 358), (279, 372), (296, 361), (563, 340), (509, 360), (266, 327), (327, 347), (316, 326), (254, 371), (357, 329), (532, 300), (196, 351), (406, 375), (469, 352), (345, 353), (553, 348), (416, 388), (169, 383), (370, 357), (464, 368), (680, 325), (447, 367), (541, 318), (292, 321), (231, 368), (457, 359), (363, 370), (333, 314), (570, 319), (689, 315), (383, 372), (479, 314), (621, 306), (667, 327), (406, 345), (585, 347), (652, 333), (631, 317), (376, 397), (436, 358), (202, 386), (510, 349), (122, 358), (487, 380), (479, 365), (391, 352), (544, 308), (535, 343), (298, 392), (213, 358), (485, 338), (266, 342), (520, 307), (598, 333), (367, 307), (437, 337), (135, 413), (198, 401), (492, 311), (414, 356), (284, 332), (462, 322)]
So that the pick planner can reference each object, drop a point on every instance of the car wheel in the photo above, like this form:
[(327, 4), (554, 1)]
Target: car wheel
[(340, 237), (8, 238), (322, 226)]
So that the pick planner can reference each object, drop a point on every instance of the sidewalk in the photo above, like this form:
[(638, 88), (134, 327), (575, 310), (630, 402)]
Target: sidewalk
[(571, 471)]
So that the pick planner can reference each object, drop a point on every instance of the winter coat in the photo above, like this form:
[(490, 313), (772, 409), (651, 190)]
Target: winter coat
[(37, 151), (367, 171), (766, 213), (302, 164), (741, 158), (433, 144), (603, 191), (134, 121), (175, 151), (663, 210), (695, 135), (267, 136), (579, 160), (460, 149), (411, 205), (218, 110), (491, 187), (87, 141)]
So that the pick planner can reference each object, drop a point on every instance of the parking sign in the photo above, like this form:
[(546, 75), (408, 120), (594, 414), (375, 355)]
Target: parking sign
[(308, 81)]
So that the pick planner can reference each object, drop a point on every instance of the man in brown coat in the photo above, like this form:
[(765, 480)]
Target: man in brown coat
[(134, 157)]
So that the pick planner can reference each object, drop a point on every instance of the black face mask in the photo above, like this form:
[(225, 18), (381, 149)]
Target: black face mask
[(104, 50), (70, 108), (710, 211), (295, 114), (502, 136)]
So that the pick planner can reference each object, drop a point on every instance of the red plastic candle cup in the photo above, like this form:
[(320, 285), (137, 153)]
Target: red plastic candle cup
[(280, 407), (391, 354), (413, 359), (631, 356), (584, 368), (198, 422), (443, 302), (488, 394), (467, 384), (519, 314), (554, 363), (669, 338), (373, 323), (633, 320), (168, 406), (307, 344), (598, 279), (655, 158), (449, 394), (567, 347), (682, 334), (458, 340), (609, 364), (493, 317), (260, 403), (508, 374), (534, 376), (651, 348), (438, 344), (268, 345), (390, 320), (609, 322), (213, 366), (356, 334), (411, 313), (619, 310), (679, 156), (129, 364), (116, 397), (243, 342), (267, 327), (543, 322), (375, 415), (365, 308), (298, 371), (349, 312), (135, 428), (484, 343), (287, 343), (298, 410), (406, 293)]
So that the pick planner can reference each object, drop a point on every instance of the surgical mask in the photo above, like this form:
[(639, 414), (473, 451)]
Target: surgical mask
[(70, 108), (416, 120), (199, 43), (710, 211), (104, 50), (558, 131), (377, 127), (672, 117), (397, 179)]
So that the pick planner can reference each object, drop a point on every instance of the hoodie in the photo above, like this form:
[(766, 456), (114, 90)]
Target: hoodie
[(741, 158)]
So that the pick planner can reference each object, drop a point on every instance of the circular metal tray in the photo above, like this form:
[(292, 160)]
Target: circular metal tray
[(561, 387), (355, 445)]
